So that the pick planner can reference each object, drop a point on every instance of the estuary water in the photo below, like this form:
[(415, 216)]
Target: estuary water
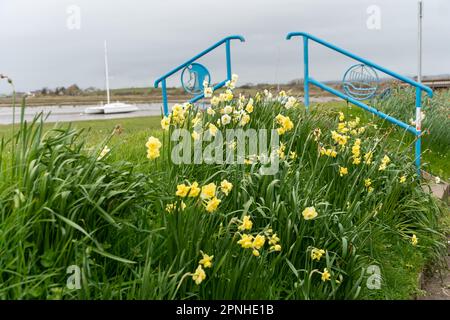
[(75, 113)]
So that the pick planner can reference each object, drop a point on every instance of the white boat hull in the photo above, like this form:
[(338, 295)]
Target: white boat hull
[(119, 108), (111, 108), (94, 110)]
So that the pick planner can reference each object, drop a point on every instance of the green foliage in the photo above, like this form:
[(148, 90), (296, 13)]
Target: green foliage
[(61, 205)]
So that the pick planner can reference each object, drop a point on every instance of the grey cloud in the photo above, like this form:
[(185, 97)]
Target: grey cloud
[(147, 38)]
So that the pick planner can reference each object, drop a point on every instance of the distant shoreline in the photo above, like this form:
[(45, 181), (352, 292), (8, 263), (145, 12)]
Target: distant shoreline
[(142, 95)]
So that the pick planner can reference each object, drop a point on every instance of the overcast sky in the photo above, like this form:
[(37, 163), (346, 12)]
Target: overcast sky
[(41, 45)]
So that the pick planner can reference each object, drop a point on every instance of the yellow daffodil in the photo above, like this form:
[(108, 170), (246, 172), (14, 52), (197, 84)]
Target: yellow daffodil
[(368, 157), (309, 213), (328, 152), (199, 275), (194, 190), (228, 109), (182, 190), (214, 102), (343, 171), (274, 239), (402, 179), (226, 186), (178, 114), (172, 206), (246, 223), (341, 116), (342, 128), (197, 121), (207, 92), (258, 242), (276, 247), (212, 129), (356, 148), (317, 133), (316, 254), (228, 95), (285, 124), (246, 241), (206, 261), (244, 120), (165, 123), (367, 182), (208, 191), (255, 253), (212, 204), (326, 276), (248, 161), (153, 145), (339, 138), (280, 151), (225, 119), (195, 135), (384, 163), (414, 240)]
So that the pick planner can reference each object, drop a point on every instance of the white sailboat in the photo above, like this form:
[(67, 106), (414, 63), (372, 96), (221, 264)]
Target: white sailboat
[(109, 108)]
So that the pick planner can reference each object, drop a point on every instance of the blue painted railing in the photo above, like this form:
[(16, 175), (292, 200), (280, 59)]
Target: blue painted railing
[(227, 42), (419, 88)]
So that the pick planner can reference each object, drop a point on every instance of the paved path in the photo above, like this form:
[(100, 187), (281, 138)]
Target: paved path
[(437, 284)]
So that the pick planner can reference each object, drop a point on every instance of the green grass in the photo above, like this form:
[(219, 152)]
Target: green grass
[(434, 158), (61, 206), (435, 154)]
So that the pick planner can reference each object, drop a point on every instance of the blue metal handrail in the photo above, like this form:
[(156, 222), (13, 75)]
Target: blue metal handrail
[(419, 88), (163, 78)]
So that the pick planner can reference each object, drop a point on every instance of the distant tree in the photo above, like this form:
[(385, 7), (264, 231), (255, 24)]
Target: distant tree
[(45, 91), (296, 82), (247, 85), (60, 91), (73, 90), (91, 90)]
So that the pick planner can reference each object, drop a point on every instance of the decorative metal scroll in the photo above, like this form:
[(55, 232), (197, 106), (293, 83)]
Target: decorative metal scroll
[(193, 77), (361, 82), (386, 93)]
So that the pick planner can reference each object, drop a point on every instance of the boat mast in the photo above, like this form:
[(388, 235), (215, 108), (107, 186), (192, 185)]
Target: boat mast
[(106, 74), (419, 42)]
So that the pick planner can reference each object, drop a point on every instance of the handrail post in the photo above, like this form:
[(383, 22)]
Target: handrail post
[(306, 72), (418, 128), (228, 53), (164, 96)]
